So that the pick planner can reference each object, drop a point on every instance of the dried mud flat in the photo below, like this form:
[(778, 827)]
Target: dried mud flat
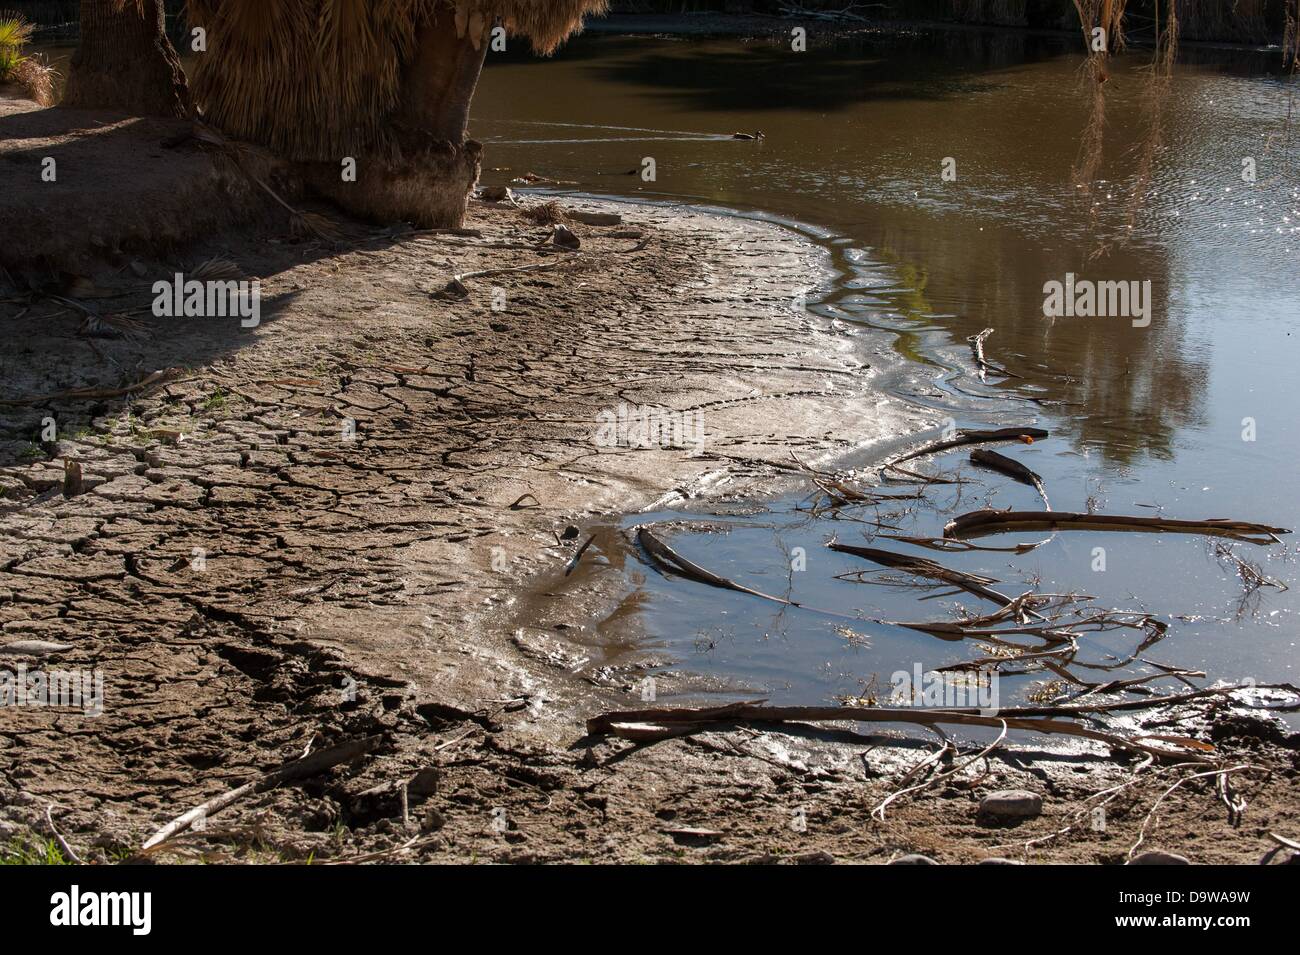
[(380, 481)]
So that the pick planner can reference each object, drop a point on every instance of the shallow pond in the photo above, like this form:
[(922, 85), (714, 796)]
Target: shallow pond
[(1147, 419)]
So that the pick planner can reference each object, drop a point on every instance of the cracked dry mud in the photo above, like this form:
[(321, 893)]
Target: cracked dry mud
[(397, 582)]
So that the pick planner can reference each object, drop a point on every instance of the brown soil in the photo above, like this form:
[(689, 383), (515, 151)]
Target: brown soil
[(380, 478)]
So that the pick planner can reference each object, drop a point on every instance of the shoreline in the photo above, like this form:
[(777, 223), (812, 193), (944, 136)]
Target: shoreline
[(352, 522), (380, 558)]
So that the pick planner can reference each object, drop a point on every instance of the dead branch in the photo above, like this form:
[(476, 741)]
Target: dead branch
[(153, 378), (672, 562), (967, 436), (971, 583), (984, 522), (982, 363), (304, 768)]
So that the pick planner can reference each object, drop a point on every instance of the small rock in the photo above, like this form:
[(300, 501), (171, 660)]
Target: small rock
[(1158, 857), (998, 860), (595, 218), (496, 194), (821, 857), (914, 858), (1011, 804), (424, 783), (565, 238)]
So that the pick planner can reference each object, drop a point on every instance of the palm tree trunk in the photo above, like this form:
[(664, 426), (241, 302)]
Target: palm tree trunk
[(426, 168), (440, 81), (125, 61)]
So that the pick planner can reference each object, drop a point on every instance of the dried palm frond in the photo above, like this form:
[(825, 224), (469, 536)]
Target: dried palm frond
[(215, 269), (315, 79), (545, 213)]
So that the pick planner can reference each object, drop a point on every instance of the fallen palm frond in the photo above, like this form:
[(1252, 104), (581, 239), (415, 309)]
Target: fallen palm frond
[(672, 562), (215, 269), (685, 720), (310, 765), (967, 436), (1010, 467), (302, 224), (980, 523), (164, 374), (651, 725), (971, 583), (951, 545)]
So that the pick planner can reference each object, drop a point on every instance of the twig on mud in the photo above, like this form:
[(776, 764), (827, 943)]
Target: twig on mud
[(66, 849), (1111, 794), (153, 378), (457, 284), (303, 768), (415, 842), (518, 503), (879, 811), (1186, 779)]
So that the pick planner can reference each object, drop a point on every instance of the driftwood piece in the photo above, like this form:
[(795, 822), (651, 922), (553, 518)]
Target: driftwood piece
[(153, 378), (1008, 466), (981, 362), (652, 725), (673, 562), (645, 724), (980, 523), (967, 436), (310, 765), (971, 583)]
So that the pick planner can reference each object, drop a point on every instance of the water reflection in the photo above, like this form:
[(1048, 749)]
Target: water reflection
[(1141, 418)]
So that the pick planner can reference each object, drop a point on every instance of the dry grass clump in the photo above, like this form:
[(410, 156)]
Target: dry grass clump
[(545, 213)]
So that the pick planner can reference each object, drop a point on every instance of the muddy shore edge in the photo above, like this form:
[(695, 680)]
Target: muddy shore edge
[(349, 525)]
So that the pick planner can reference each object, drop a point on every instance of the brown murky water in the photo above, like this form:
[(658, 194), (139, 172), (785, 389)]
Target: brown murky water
[(1144, 420)]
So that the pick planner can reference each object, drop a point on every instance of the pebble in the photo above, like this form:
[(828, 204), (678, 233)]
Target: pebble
[(1159, 857), (914, 858), (1011, 804)]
